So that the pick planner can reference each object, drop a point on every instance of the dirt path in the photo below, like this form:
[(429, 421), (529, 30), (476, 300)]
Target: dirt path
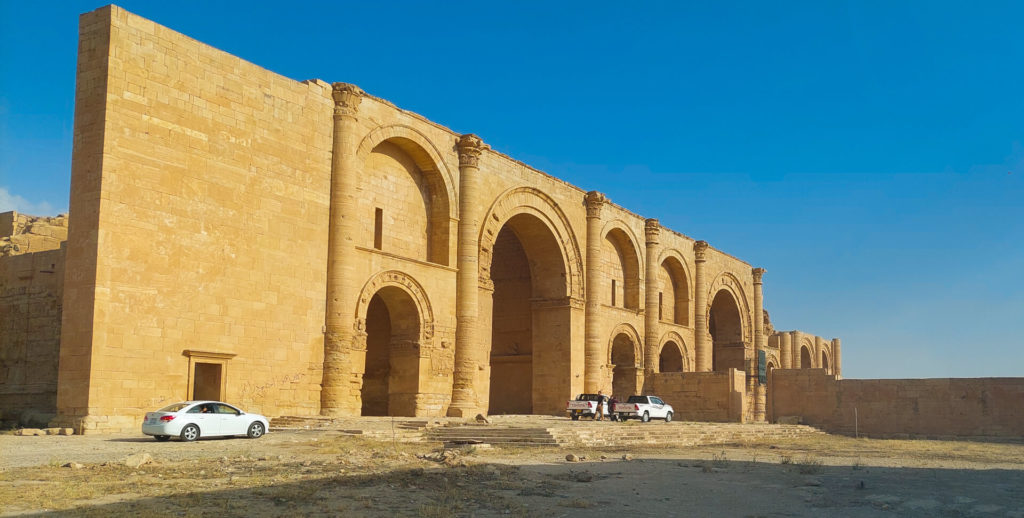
[(324, 474)]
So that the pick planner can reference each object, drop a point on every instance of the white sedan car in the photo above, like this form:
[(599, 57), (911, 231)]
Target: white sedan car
[(193, 419)]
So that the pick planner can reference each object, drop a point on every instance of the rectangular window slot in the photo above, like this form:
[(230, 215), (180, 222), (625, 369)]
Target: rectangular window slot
[(378, 229), (660, 300), (613, 292)]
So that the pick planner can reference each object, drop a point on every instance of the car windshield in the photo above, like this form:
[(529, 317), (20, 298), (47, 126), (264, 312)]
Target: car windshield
[(173, 408), (637, 399)]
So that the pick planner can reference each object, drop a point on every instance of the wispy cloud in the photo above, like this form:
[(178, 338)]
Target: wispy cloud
[(10, 201)]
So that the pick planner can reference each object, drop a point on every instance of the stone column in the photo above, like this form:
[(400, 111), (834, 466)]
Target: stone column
[(344, 340), (786, 350), (759, 341), (796, 350), (837, 358), (700, 308), (593, 357), (819, 345), (469, 356), (652, 231)]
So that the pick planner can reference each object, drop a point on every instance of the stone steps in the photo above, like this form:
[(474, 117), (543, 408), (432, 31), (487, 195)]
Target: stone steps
[(549, 433)]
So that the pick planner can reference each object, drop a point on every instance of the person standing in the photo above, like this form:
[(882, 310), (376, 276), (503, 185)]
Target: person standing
[(599, 413)]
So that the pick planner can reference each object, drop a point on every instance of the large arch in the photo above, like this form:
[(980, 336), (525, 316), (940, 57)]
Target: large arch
[(620, 264), (528, 200), (625, 357), (529, 290), (410, 208), (726, 327), (674, 294), (667, 357), (395, 316)]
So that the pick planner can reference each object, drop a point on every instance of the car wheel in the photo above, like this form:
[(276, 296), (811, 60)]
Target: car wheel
[(668, 417), (646, 417), (256, 430), (161, 438), (190, 433), (575, 417)]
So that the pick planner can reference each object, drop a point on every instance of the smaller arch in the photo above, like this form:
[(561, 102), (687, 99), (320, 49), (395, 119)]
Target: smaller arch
[(404, 282), (634, 337), (675, 339), (678, 290), (422, 151), (629, 258), (825, 364), (805, 357)]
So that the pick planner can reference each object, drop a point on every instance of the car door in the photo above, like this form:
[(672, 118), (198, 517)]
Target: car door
[(231, 420), (203, 416), (659, 408)]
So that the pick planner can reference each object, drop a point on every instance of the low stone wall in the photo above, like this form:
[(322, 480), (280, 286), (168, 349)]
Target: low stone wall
[(940, 407), (702, 396)]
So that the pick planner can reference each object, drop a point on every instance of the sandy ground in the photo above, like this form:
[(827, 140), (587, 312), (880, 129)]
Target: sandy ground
[(317, 473)]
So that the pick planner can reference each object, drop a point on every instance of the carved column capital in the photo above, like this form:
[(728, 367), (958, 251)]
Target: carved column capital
[(346, 99), (595, 201), (470, 148), (758, 273), (652, 230), (699, 249)]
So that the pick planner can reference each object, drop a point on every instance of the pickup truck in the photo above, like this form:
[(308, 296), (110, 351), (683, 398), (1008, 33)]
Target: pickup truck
[(644, 408), (586, 405)]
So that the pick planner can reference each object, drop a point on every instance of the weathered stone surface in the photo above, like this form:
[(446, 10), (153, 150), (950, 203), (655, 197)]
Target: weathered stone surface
[(138, 459)]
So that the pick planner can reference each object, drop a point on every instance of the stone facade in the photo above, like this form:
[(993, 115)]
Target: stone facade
[(306, 248), (31, 285)]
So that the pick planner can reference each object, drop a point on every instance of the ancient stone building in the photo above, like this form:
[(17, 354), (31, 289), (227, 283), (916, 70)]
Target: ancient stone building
[(305, 248)]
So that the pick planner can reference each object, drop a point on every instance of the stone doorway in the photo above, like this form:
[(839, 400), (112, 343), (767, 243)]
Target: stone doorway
[(530, 321), (805, 358), (206, 381), (391, 376)]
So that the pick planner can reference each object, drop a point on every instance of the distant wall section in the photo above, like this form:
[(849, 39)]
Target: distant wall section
[(941, 407)]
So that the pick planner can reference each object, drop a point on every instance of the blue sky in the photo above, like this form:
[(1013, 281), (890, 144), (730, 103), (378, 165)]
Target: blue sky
[(870, 155)]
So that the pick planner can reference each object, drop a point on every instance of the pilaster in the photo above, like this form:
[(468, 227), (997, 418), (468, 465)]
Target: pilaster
[(700, 314), (469, 353), (652, 233), (759, 340), (344, 345), (593, 352)]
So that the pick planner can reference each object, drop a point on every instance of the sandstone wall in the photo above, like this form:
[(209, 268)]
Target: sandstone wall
[(30, 312), (704, 396), (941, 407), (200, 187)]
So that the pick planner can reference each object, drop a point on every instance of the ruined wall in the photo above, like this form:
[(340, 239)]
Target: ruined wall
[(31, 285), (941, 407), (704, 396), (200, 186)]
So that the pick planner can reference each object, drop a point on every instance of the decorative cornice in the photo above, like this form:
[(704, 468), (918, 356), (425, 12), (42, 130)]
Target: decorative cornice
[(699, 247), (652, 230), (757, 272), (470, 148), (346, 99), (595, 201)]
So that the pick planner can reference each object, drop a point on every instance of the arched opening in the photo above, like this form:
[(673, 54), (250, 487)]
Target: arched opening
[(824, 361), (530, 341), (403, 209), (391, 375), (621, 267), (671, 358), (624, 369), (727, 350), (674, 294), (805, 358)]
